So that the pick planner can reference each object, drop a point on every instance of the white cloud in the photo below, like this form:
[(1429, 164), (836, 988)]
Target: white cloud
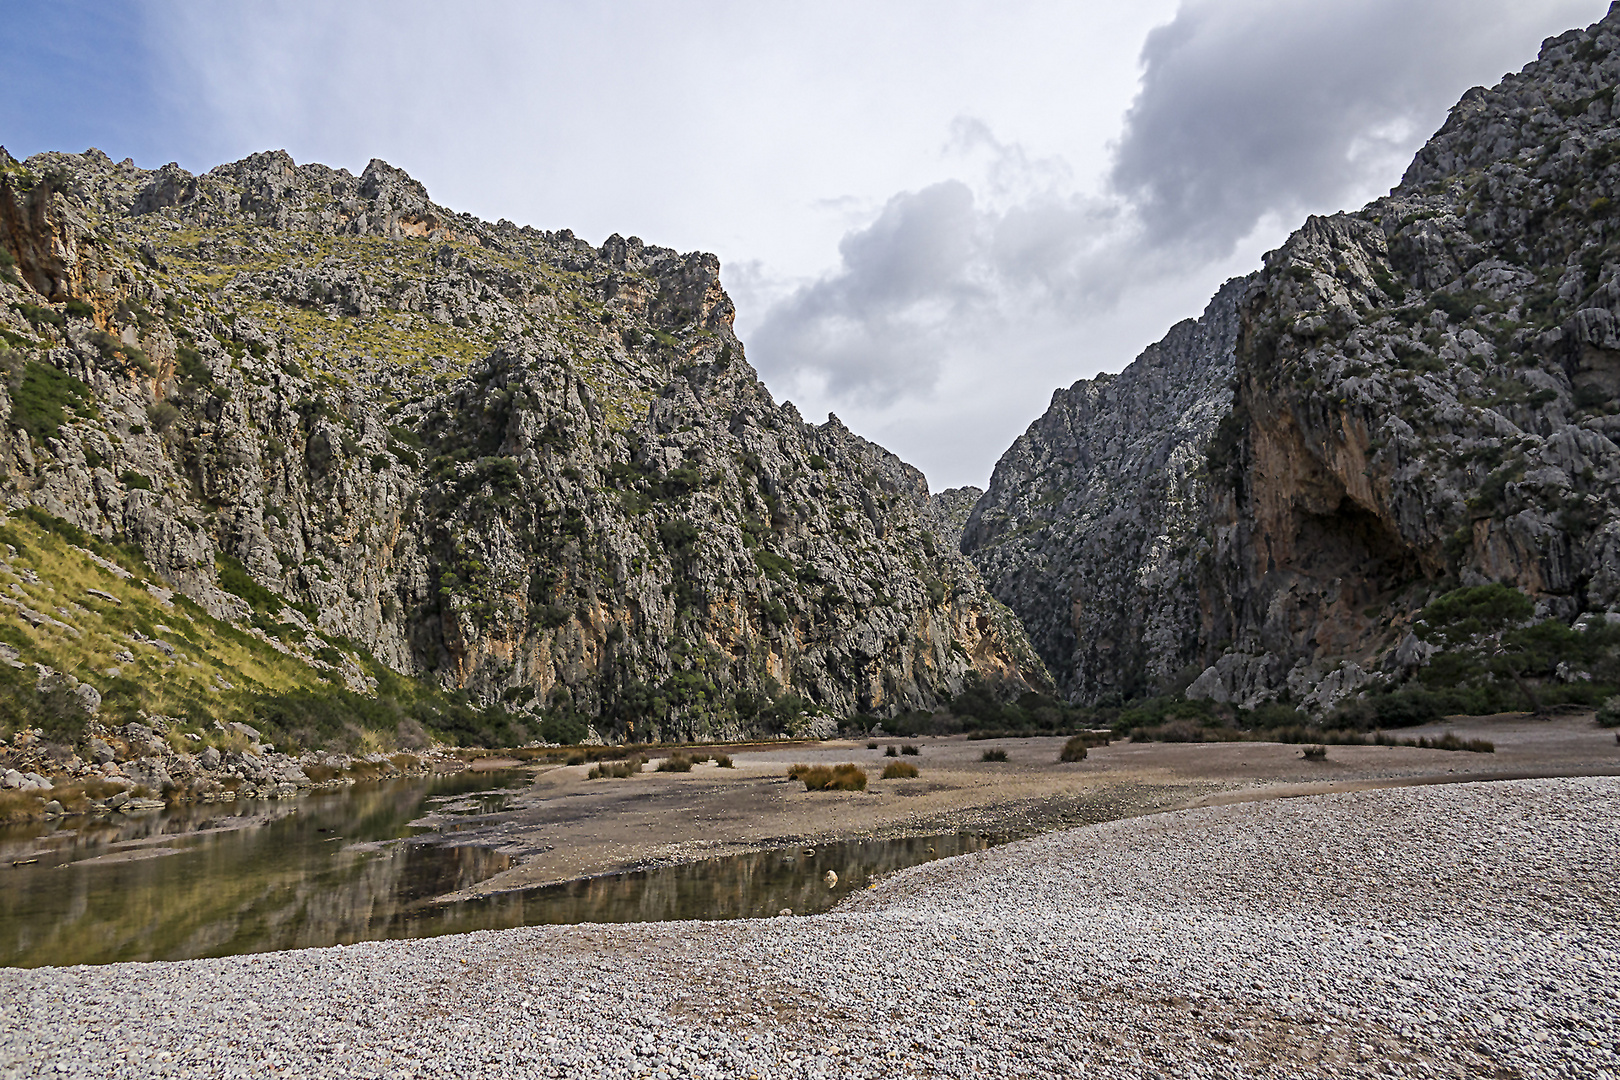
[(931, 212)]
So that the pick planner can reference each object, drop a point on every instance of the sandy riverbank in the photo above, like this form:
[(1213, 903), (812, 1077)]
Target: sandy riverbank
[(566, 826)]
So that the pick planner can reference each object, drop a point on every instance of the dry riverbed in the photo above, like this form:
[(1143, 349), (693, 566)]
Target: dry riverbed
[(566, 826)]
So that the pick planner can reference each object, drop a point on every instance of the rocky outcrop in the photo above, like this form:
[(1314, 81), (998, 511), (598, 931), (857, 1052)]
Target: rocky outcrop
[(1093, 529), (1419, 395), (1427, 395), (520, 466), (153, 763)]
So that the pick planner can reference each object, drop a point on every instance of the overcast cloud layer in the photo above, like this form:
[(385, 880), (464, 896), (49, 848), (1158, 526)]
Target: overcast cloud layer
[(931, 214), (1250, 115)]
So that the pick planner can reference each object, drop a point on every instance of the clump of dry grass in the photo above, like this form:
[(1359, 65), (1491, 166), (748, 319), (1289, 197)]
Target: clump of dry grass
[(77, 796), (993, 755), (1450, 741), (911, 748), (406, 762), (899, 770), (19, 806), (724, 761), (676, 762), (228, 741), (846, 777), (1075, 749), (1314, 753), (891, 751), (321, 774), (617, 770)]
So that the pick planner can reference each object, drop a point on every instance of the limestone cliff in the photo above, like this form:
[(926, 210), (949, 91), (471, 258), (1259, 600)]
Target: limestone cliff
[(1093, 528), (1419, 395), (501, 458)]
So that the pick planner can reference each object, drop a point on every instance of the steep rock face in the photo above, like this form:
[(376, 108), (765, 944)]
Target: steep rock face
[(1420, 395), (1429, 394), (527, 467), (1093, 527)]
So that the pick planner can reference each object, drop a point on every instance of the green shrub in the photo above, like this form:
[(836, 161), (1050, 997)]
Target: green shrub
[(910, 749), (191, 367), (41, 397), (78, 309), (163, 414), (773, 564), (1608, 713), (39, 316), (563, 726), (234, 578), (899, 770), (135, 480), (891, 751), (679, 537)]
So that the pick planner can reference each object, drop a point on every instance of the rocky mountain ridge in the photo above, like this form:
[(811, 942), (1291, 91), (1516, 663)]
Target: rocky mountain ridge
[(1420, 396), (528, 470)]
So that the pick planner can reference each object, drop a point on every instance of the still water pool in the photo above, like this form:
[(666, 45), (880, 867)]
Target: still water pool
[(341, 866)]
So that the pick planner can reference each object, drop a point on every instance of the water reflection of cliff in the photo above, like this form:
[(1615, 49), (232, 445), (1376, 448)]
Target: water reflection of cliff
[(242, 879), (291, 875), (735, 887)]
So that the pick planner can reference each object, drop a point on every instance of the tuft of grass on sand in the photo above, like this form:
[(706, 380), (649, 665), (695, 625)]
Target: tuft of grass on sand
[(617, 770), (846, 777), (899, 770), (993, 755)]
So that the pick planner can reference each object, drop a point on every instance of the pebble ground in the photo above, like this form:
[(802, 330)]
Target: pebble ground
[(1462, 930)]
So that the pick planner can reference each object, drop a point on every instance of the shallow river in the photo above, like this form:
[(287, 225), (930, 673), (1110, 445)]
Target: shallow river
[(341, 866)]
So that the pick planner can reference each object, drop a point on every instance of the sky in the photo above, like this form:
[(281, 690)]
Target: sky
[(931, 214)]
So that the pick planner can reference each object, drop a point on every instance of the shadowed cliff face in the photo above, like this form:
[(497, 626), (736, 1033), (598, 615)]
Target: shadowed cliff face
[(1093, 529), (1420, 395), (526, 467)]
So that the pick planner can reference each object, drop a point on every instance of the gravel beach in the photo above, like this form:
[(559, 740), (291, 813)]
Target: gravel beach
[(1458, 930)]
